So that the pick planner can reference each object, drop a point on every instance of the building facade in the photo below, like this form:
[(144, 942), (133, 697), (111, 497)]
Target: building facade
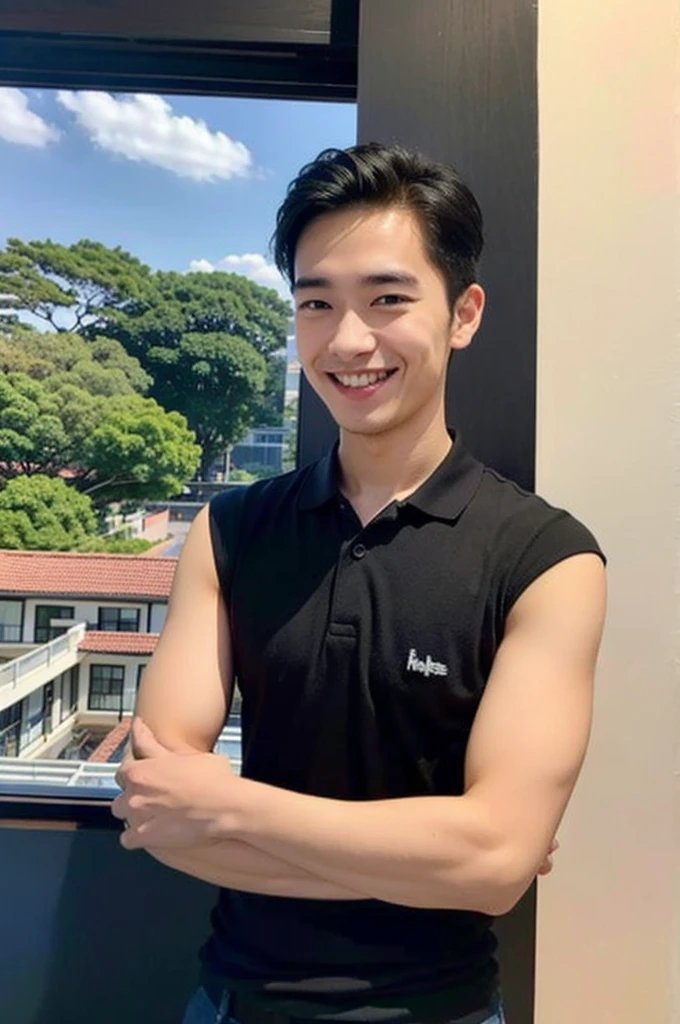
[(76, 631)]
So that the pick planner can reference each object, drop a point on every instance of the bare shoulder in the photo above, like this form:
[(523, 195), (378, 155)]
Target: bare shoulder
[(565, 605)]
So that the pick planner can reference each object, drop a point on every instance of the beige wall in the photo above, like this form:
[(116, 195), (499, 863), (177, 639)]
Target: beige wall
[(608, 449)]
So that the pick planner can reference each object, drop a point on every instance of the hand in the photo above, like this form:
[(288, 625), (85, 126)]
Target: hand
[(171, 800), (547, 865)]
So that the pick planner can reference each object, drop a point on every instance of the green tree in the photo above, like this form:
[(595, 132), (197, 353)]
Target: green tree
[(138, 451), (158, 317), (111, 447), (41, 513), (44, 514), (68, 286), (212, 343), (101, 366)]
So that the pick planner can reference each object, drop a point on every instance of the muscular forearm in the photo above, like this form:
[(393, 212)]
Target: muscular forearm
[(422, 852), (232, 864)]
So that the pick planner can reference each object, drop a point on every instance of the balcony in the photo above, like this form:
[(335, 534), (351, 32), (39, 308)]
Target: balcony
[(30, 671)]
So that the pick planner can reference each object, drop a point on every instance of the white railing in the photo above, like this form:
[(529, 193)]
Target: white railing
[(29, 776), (43, 657)]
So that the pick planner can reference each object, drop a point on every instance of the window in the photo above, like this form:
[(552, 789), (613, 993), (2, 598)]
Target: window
[(32, 713), (10, 728), (157, 617), (69, 693), (44, 613), (162, 211), (106, 687), (119, 620), (11, 617)]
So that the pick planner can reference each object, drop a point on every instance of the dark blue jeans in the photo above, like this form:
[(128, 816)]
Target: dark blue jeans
[(201, 1010)]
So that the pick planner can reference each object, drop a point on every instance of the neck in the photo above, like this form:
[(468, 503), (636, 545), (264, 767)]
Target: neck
[(379, 468)]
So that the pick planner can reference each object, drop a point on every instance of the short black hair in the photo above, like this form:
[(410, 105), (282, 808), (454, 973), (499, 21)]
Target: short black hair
[(379, 176)]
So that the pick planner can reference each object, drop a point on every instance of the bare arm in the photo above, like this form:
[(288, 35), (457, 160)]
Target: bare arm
[(482, 850), (235, 865), (184, 696)]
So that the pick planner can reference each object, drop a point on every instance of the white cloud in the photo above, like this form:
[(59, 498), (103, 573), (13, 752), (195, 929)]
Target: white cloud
[(250, 264), (144, 128), (21, 125)]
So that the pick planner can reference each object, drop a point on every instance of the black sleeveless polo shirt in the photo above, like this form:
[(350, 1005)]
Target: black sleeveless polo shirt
[(362, 654)]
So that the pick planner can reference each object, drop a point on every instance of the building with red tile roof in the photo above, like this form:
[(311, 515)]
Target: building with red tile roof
[(70, 574), (95, 620), (104, 642)]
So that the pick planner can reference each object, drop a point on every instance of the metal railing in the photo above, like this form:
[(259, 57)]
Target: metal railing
[(43, 657), (52, 777)]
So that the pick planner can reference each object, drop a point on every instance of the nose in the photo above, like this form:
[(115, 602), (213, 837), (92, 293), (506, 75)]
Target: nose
[(352, 337)]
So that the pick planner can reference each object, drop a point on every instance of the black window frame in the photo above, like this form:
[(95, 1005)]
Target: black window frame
[(50, 632), (10, 729), (69, 684), (117, 617), (119, 696)]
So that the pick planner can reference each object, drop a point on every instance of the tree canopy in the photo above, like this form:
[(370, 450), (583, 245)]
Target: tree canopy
[(101, 366), (44, 514), (41, 513), (109, 446), (68, 286), (210, 344)]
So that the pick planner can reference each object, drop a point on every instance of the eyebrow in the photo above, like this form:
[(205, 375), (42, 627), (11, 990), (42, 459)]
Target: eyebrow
[(368, 280)]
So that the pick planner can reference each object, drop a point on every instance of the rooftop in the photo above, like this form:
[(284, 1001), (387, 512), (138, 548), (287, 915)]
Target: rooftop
[(73, 574), (107, 642)]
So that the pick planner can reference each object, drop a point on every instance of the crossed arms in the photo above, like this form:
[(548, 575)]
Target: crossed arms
[(479, 851)]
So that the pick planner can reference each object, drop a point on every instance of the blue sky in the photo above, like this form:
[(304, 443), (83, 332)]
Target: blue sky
[(173, 180)]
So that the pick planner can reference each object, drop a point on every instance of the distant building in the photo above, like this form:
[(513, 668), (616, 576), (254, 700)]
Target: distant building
[(76, 631), (261, 447)]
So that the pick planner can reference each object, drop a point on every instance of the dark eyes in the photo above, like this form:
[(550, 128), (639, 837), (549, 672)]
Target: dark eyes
[(314, 305)]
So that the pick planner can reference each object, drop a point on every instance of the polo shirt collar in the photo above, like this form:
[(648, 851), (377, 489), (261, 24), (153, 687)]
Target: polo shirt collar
[(444, 495)]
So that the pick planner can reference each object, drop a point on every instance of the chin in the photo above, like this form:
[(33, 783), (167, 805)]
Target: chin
[(366, 427)]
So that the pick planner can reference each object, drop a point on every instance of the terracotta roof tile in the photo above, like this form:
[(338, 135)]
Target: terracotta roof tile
[(105, 642), (70, 574)]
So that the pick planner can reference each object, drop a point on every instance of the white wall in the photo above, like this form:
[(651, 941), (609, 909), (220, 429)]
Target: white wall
[(608, 448), (131, 665)]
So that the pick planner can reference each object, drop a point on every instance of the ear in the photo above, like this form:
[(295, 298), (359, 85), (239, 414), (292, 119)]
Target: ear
[(467, 316)]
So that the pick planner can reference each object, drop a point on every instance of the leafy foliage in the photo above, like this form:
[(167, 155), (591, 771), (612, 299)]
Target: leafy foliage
[(123, 446), (44, 514)]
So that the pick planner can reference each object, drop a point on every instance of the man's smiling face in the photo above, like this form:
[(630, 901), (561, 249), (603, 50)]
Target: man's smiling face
[(373, 321)]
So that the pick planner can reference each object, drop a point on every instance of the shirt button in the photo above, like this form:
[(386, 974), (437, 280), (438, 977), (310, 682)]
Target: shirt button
[(358, 551)]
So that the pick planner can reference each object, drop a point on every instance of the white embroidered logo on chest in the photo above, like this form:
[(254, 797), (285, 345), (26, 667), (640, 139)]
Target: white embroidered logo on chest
[(427, 666)]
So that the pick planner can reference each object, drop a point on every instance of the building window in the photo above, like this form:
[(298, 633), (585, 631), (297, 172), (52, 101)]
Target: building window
[(10, 729), (119, 620), (11, 614), (106, 687), (32, 717), (157, 616), (140, 672), (69, 693), (44, 632)]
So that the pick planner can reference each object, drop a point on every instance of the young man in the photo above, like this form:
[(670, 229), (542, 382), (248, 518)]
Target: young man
[(414, 637)]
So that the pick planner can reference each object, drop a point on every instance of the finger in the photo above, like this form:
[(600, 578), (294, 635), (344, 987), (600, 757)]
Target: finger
[(119, 807), (143, 742), (130, 839)]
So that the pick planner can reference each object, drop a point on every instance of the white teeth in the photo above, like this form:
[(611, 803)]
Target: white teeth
[(360, 380)]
